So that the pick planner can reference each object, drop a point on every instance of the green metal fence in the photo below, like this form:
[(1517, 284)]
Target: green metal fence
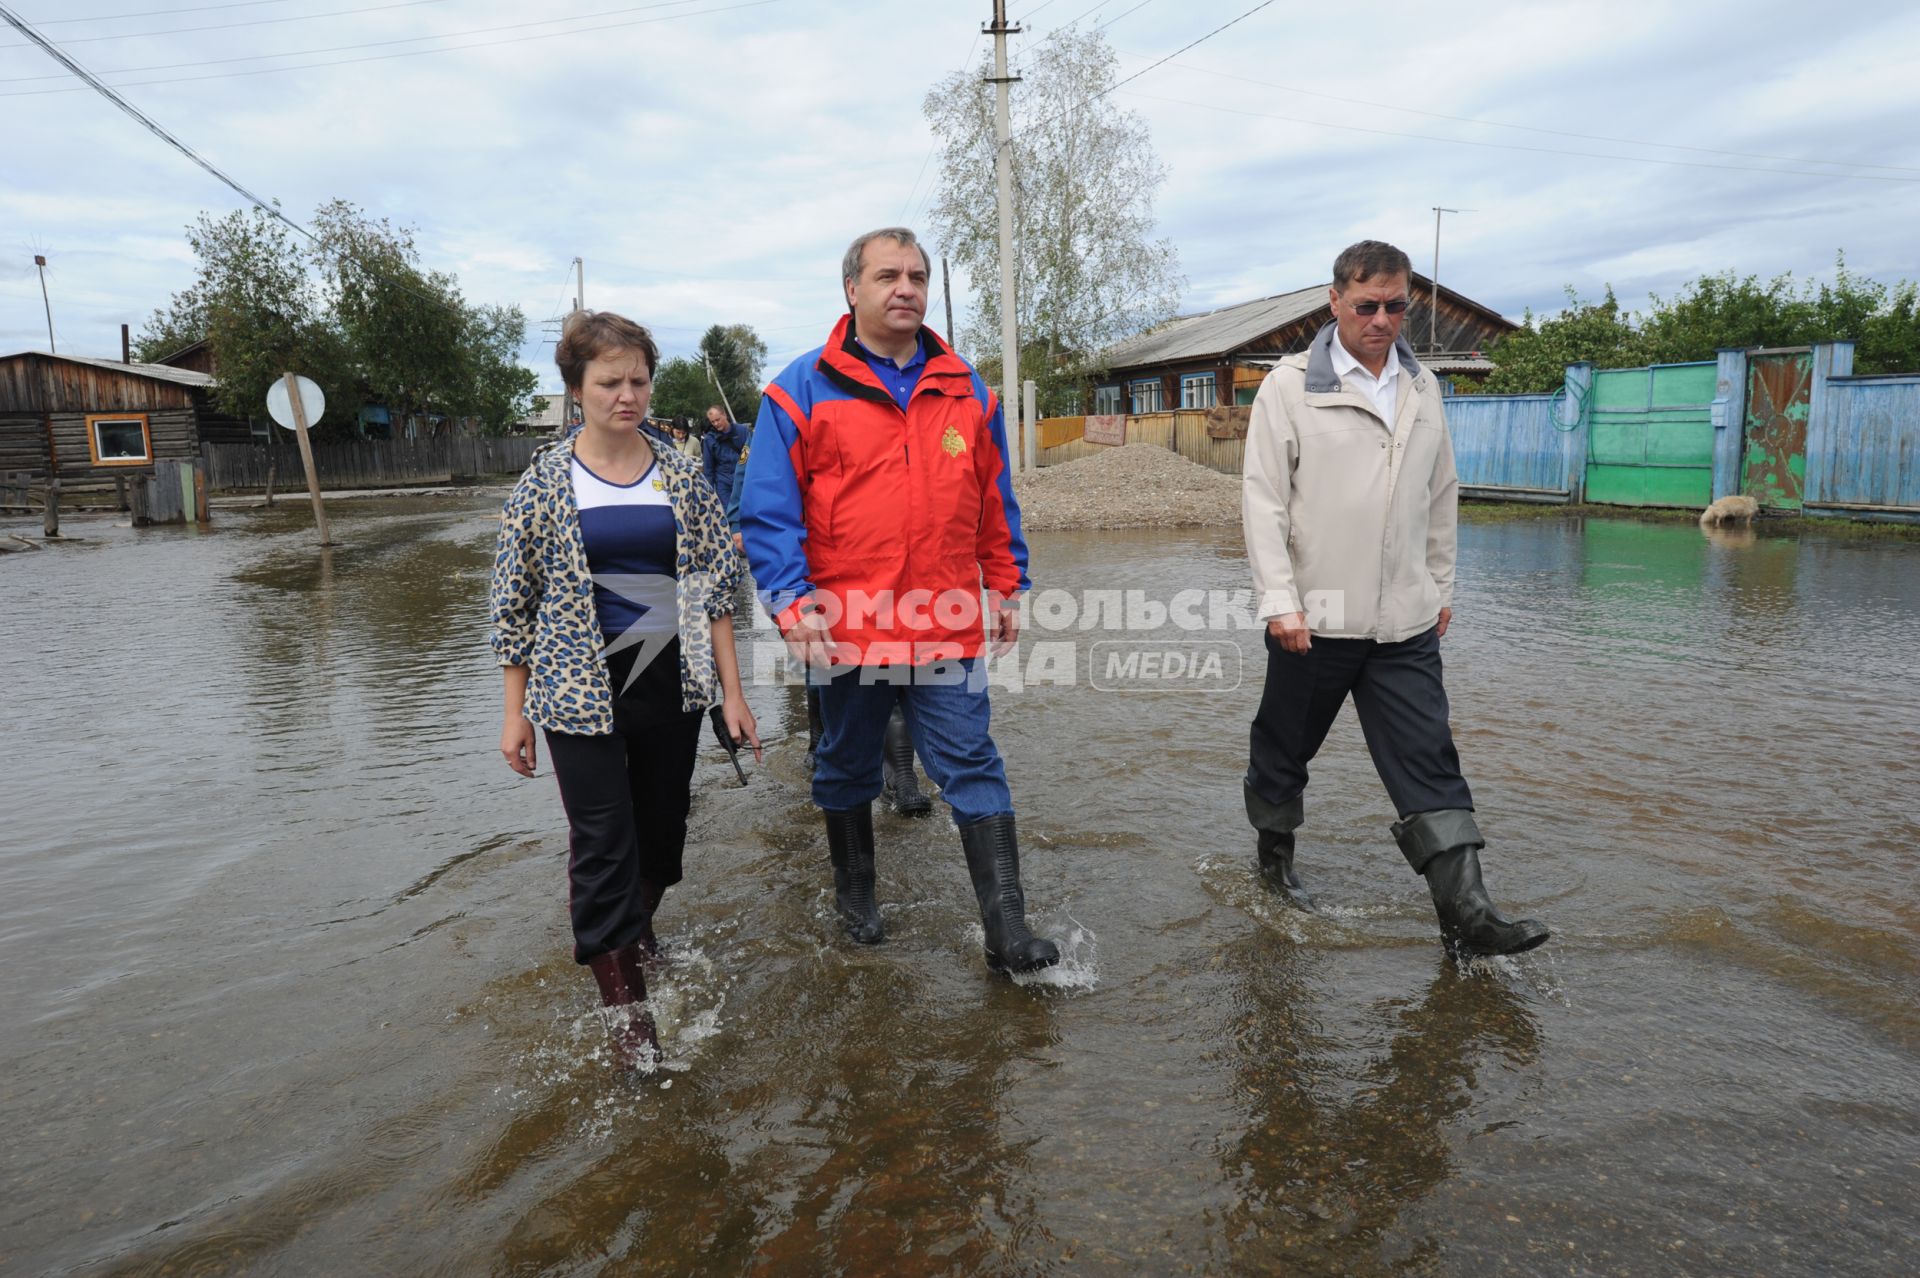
[(1650, 440)]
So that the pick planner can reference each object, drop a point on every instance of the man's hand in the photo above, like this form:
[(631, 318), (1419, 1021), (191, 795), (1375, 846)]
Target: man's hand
[(1446, 619), (810, 641), (1291, 630), (1005, 630)]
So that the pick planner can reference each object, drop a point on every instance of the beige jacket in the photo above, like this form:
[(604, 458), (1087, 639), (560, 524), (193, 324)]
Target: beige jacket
[(1349, 518)]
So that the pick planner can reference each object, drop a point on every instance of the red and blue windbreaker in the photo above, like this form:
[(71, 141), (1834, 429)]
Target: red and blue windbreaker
[(890, 521)]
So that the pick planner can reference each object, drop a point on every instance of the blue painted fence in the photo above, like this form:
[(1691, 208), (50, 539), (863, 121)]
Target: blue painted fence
[(1863, 439), (1523, 447)]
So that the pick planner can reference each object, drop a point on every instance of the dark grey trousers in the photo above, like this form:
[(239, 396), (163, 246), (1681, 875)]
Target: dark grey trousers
[(1402, 704)]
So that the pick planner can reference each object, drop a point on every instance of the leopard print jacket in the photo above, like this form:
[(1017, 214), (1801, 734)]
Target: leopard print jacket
[(541, 600)]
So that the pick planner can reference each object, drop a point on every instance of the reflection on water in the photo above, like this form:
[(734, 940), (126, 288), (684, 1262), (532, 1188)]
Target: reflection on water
[(284, 950)]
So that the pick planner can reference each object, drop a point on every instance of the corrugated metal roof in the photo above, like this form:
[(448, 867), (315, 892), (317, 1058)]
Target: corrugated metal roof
[(159, 372), (1216, 332)]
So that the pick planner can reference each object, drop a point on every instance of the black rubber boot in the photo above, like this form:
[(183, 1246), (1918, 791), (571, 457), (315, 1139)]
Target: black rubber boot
[(1444, 847), (815, 727), (1276, 867), (651, 951), (896, 766), (993, 862), (850, 844)]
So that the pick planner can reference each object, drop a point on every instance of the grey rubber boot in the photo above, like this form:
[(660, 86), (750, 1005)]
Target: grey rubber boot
[(850, 845), (993, 862), (1444, 847), (902, 788)]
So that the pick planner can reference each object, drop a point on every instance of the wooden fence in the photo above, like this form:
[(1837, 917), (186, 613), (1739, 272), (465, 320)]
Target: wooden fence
[(369, 464), (1183, 430)]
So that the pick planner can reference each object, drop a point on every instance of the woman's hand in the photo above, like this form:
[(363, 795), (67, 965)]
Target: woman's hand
[(740, 724), (517, 744)]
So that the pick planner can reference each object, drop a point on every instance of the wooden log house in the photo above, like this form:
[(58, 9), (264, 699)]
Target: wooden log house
[(1220, 356)]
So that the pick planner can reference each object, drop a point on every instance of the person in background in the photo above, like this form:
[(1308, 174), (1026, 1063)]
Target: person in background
[(722, 447), (882, 477), (686, 444), (1351, 506), (611, 601)]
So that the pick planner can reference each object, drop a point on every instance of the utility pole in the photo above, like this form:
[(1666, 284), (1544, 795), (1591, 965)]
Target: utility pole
[(1003, 176), (41, 263), (946, 293), (579, 300), (1433, 306)]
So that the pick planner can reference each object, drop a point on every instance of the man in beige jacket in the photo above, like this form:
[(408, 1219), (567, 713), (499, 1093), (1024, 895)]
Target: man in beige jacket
[(1350, 505)]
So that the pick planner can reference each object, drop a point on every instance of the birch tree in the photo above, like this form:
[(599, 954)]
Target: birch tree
[(1088, 267)]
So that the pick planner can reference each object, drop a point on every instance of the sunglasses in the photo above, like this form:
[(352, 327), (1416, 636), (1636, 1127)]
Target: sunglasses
[(1394, 307)]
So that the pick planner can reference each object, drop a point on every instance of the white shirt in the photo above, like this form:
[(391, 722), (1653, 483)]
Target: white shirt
[(1382, 390)]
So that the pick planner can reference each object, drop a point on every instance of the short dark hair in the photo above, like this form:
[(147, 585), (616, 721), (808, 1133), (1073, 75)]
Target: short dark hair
[(1360, 262), (587, 335), (855, 260)]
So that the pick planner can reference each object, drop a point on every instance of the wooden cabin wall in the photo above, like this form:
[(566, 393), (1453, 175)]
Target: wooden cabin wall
[(172, 430)]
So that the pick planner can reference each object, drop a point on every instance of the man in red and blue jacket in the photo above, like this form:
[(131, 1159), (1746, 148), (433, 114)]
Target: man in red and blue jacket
[(877, 505)]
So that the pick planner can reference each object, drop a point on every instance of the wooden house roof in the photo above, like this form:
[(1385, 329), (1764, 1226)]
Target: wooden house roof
[(37, 382), (1228, 330)]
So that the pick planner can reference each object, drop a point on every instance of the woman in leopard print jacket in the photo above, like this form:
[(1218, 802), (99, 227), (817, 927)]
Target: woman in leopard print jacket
[(612, 606)]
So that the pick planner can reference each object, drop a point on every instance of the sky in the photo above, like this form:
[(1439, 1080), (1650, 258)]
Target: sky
[(709, 160)]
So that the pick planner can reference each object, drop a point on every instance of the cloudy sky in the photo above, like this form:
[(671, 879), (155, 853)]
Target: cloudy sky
[(709, 159)]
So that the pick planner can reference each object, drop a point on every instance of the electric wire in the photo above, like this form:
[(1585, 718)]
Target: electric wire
[(235, 26), (414, 53), (1529, 128), (1516, 146), (157, 13)]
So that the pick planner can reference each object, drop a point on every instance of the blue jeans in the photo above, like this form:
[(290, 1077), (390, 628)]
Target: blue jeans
[(947, 715)]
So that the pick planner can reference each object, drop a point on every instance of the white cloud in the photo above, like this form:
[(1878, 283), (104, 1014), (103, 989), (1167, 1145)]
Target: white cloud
[(711, 168)]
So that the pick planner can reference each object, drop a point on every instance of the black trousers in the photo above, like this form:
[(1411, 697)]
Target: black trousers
[(626, 796), (1402, 704)]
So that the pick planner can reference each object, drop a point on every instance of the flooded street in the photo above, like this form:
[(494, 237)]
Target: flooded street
[(287, 983)]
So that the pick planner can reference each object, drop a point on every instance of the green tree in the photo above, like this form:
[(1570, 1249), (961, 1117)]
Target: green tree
[(254, 301), (735, 354), (353, 310), (1085, 178), (1533, 358), (681, 389)]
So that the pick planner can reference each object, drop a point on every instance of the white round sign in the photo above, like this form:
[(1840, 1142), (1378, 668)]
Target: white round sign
[(280, 406)]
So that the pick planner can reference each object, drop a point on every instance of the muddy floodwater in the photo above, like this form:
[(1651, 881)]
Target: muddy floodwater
[(285, 983)]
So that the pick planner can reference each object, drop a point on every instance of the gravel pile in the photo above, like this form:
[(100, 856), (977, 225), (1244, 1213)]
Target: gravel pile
[(1137, 486)]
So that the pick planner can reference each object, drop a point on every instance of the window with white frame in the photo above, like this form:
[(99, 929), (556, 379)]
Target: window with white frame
[(1106, 401), (1147, 396), (1197, 391), (119, 439)]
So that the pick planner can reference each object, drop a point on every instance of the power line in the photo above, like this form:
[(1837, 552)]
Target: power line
[(379, 44), (414, 53), (152, 126), (1515, 146), (235, 26), (1090, 99), (154, 13), (1528, 128)]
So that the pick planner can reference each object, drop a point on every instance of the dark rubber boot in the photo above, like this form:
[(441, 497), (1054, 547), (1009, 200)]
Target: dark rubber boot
[(850, 845), (993, 862), (1469, 922), (1276, 867), (623, 990), (651, 951), (896, 766), (816, 727)]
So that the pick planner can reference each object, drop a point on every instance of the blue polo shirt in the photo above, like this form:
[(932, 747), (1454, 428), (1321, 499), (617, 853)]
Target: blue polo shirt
[(898, 380)]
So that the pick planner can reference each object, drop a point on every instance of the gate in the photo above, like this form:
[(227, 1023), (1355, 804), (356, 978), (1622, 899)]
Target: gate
[(1650, 438), (1779, 393)]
